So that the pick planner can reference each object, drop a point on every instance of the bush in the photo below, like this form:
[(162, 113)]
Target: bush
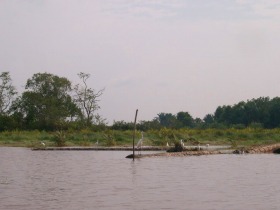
[(59, 138), (238, 126), (256, 125), (109, 138)]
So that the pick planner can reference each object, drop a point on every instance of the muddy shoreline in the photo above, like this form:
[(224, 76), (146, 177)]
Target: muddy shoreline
[(274, 148)]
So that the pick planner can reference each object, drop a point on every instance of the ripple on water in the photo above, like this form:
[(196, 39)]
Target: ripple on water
[(107, 180)]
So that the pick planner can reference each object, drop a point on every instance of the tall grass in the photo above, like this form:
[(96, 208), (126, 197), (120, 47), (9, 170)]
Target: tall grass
[(231, 136)]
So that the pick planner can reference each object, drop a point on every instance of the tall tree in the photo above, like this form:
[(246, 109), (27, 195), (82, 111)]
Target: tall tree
[(209, 119), (167, 120), (87, 99), (185, 119), (274, 112), (46, 103), (7, 92)]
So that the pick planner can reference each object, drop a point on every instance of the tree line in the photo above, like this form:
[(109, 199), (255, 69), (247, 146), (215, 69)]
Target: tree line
[(262, 112), (50, 102)]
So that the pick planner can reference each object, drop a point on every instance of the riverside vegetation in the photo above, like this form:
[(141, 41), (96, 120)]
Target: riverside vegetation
[(234, 137), (57, 112)]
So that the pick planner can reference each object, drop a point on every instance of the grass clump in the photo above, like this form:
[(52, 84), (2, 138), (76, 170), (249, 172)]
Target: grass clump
[(109, 138), (59, 138)]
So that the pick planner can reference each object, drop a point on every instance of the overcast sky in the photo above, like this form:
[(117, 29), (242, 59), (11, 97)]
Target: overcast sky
[(152, 55)]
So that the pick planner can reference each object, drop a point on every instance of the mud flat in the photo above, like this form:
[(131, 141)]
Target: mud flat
[(182, 154), (273, 148), (146, 148)]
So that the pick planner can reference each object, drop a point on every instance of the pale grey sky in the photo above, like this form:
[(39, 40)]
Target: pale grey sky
[(154, 55)]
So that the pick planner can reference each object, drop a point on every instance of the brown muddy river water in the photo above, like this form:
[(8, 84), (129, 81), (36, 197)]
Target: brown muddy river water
[(76, 180)]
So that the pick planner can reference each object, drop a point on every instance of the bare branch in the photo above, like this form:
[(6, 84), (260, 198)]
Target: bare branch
[(86, 98)]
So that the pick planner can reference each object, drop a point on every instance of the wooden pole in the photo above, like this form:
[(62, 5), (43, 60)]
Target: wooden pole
[(134, 132)]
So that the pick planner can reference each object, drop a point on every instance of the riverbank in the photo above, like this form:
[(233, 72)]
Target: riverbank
[(274, 148), (182, 154), (189, 151), (191, 137), (146, 148)]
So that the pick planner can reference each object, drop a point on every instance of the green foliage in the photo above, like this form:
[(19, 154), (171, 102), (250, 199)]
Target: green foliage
[(255, 125), (7, 123), (233, 143), (149, 125), (260, 112), (46, 102), (43, 136), (122, 125), (184, 119), (86, 99), (238, 126), (109, 138), (59, 138), (50, 102), (167, 134), (7, 92), (167, 120), (87, 137), (209, 119), (219, 133)]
